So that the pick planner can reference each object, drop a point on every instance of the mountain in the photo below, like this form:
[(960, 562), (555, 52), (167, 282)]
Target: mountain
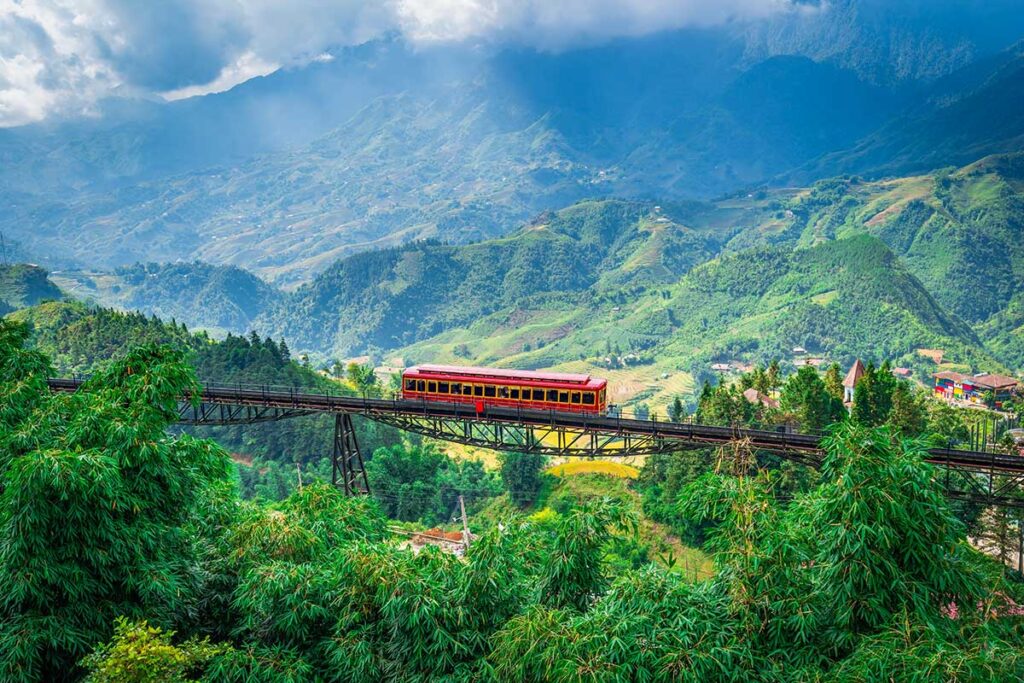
[(971, 114), (957, 230), (219, 299), (951, 239), (381, 144), (647, 295), (23, 285), (842, 299), (463, 159), (397, 296), (887, 42)]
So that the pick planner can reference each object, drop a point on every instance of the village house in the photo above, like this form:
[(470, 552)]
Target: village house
[(956, 386), (850, 381), (448, 541), (756, 397)]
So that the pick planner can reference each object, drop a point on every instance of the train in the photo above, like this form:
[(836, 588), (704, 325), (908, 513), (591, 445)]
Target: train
[(482, 387)]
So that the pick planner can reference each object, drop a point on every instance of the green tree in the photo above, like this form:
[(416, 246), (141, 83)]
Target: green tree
[(907, 415), (761, 381), (140, 653), (724, 405), (96, 506), (573, 576), (806, 396), (676, 410), (418, 483), (834, 381), (882, 512), (773, 376), (522, 475), (362, 377), (872, 397)]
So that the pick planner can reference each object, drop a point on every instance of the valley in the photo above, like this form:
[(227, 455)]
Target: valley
[(741, 283), (652, 295)]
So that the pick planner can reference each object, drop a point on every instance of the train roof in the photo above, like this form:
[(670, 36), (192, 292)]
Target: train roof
[(500, 373)]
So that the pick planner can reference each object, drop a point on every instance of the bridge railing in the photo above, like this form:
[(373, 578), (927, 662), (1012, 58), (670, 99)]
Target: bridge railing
[(373, 400)]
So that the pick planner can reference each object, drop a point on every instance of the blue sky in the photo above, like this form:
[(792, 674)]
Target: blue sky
[(60, 57)]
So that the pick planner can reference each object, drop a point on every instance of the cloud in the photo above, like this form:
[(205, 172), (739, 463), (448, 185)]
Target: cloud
[(63, 56), (246, 66), (559, 24)]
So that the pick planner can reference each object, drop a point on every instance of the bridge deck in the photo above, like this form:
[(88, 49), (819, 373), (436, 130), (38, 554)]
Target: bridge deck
[(686, 434)]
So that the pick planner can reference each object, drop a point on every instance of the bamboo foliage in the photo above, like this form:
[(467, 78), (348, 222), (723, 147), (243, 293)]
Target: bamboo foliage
[(126, 554)]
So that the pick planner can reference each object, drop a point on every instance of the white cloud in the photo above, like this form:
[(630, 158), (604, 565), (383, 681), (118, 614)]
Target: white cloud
[(248, 65), (562, 23), (62, 56)]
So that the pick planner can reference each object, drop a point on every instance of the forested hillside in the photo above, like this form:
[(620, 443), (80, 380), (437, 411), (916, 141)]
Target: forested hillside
[(81, 339), (24, 285), (398, 296), (166, 575), (219, 299), (642, 283), (845, 268), (957, 230)]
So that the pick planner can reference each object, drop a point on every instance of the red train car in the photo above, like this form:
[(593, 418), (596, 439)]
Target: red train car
[(512, 388)]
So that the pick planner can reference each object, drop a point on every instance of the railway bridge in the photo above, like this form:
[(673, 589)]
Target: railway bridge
[(983, 477)]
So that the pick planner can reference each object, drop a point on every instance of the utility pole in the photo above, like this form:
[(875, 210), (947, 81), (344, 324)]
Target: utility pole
[(1020, 546), (298, 470), (465, 524)]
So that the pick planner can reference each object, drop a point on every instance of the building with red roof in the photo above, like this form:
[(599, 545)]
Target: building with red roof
[(851, 379), (956, 386)]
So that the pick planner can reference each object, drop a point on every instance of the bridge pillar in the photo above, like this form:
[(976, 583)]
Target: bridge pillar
[(347, 461)]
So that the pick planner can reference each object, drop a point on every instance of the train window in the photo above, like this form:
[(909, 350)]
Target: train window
[(442, 387), (502, 392), (456, 388), (467, 389), (478, 390), (431, 387), (489, 391), (552, 396), (410, 385), (421, 385), (588, 398), (515, 394), (563, 397), (575, 397), (538, 394)]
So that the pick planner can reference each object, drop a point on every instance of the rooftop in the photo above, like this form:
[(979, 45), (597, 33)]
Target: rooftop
[(854, 375), (984, 380), (499, 372), (755, 396)]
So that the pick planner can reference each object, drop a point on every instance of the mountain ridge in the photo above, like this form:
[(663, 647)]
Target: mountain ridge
[(460, 145)]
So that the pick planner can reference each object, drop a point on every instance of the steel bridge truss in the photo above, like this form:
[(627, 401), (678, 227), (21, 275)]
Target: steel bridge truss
[(215, 414), (989, 487), (981, 484), (346, 460), (525, 438)]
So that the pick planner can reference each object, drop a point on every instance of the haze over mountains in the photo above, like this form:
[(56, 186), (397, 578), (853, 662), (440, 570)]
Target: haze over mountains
[(845, 177), (383, 143)]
